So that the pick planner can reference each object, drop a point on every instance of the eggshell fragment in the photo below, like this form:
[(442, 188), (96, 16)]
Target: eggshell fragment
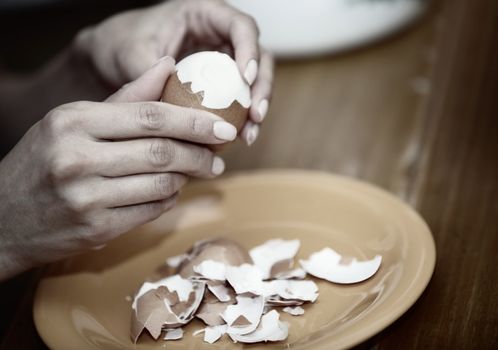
[(292, 289), (250, 308), (151, 314), (294, 311), (176, 260), (175, 284), (171, 302), (220, 250), (331, 266), (213, 334), (174, 334), (269, 329), (297, 273), (211, 313), (245, 278), (221, 291), (211, 270), (274, 256)]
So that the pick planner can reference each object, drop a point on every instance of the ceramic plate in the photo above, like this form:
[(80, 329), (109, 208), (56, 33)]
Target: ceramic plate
[(84, 302)]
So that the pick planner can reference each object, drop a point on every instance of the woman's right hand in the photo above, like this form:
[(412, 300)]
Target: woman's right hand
[(88, 171)]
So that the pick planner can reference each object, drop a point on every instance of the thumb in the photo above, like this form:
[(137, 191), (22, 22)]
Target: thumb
[(149, 86)]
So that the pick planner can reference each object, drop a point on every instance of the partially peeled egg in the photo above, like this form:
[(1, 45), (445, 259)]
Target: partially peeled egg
[(210, 81)]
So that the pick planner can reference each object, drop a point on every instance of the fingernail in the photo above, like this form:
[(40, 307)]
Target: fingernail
[(224, 131), (262, 109), (251, 71), (218, 166), (252, 135)]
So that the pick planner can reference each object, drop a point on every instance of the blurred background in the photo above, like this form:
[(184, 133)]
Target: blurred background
[(400, 93)]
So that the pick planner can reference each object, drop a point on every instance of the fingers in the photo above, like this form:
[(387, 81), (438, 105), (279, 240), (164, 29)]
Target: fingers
[(137, 189), (134, 60), (157, 156), (156, 119), (244, 36), (261, 91), (123, 219), (240, 29), (149, 86), (261, 96), (250, 132)]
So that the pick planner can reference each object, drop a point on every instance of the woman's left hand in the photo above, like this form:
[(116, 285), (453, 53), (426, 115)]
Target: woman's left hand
[(127, 44)]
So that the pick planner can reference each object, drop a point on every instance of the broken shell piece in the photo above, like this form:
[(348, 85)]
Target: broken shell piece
[(159, 307), (292, 289), (176, 260), (220, 250), (245, 279), (174, 334), (278, 301), (221, 291), (294, 311), (250, 308), (298, 273), (269, 329), (329, 265), (175, 284), (151, 314), (274, 256), (211, 313), (213, 334), (211, 270)]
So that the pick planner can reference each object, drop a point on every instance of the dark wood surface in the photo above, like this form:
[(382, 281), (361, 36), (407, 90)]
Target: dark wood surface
[(418, 116)]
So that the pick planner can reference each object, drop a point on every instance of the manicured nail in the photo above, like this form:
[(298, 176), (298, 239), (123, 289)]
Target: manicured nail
[(224, 131), (218, 166), (251, 71), (262, 109), (252, 135)]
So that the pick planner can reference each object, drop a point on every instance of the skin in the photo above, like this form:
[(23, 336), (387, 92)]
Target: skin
[(89, 171)]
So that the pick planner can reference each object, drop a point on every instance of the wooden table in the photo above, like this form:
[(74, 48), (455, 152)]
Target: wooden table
[(418, 116)]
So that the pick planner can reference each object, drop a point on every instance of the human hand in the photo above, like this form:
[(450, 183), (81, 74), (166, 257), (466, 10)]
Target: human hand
[(88, 171), (125, 45)]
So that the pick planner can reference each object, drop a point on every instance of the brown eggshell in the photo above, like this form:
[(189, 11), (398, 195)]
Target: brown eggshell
[(219, 249), (177, 93)]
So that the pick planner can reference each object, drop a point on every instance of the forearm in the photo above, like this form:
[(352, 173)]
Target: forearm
[(24, 100)]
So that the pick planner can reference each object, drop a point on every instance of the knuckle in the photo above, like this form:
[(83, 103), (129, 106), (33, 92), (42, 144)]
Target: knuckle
[(195, 126), (170, 203), (97, 228), (65, 118), (164, 185), (161, 153), (153, 210), (150, 117), (56, 121), (78, 203), (202, 161), (65, 166)]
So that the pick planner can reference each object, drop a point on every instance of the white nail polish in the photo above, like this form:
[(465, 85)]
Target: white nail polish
[(262, 109), (251, 71), (224, 131), (252, 135), (218, 166)]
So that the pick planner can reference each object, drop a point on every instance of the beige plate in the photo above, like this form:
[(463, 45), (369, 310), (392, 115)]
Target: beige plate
[(84, 302)]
